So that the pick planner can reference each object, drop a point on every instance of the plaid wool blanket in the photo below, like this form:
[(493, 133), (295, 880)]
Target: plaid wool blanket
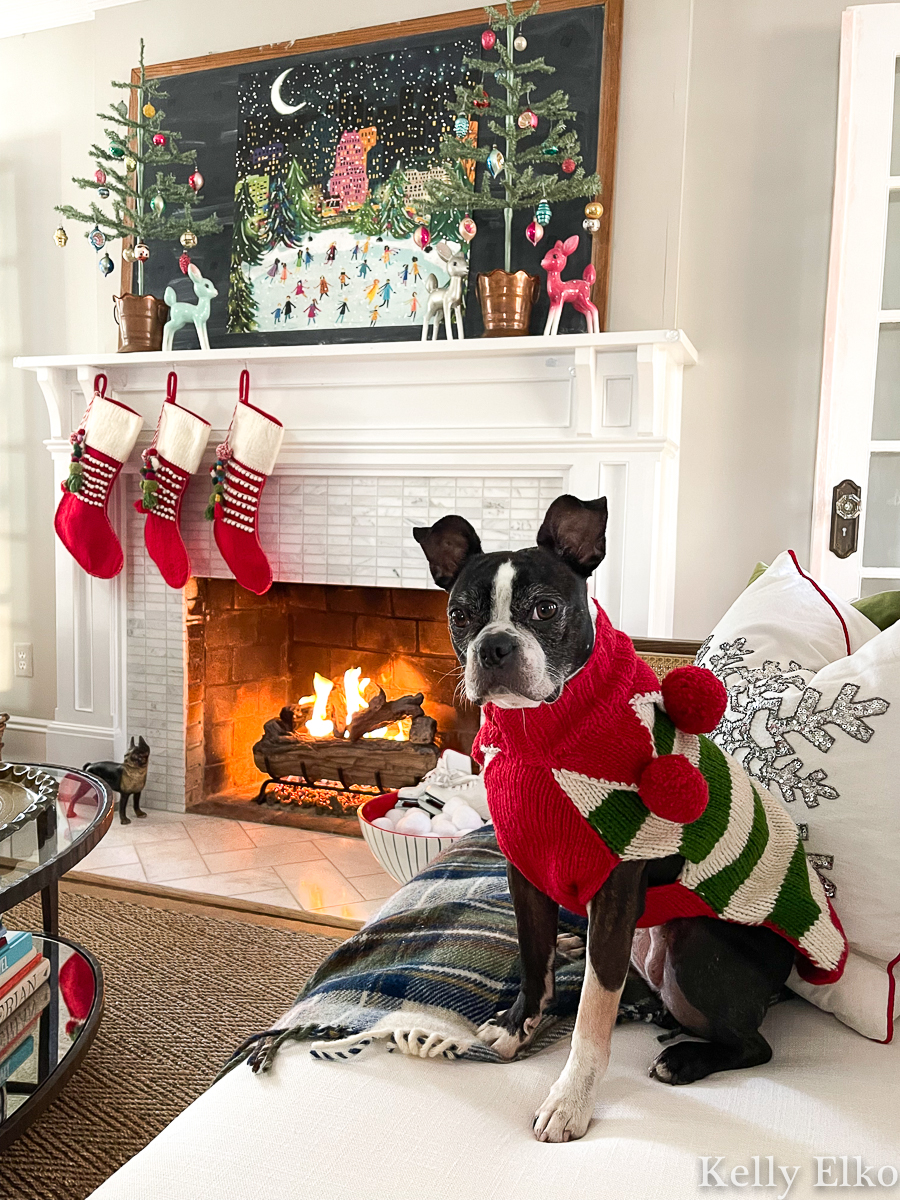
[(439, 960)]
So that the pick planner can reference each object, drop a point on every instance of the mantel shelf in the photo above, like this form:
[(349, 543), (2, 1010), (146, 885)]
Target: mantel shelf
[(674, 340)]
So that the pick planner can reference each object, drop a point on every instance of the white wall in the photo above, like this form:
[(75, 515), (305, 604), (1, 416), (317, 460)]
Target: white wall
[(723, 203)]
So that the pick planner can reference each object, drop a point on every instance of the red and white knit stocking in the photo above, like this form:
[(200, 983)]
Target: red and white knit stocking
[(99, 450), (243, 464), (173, 458)]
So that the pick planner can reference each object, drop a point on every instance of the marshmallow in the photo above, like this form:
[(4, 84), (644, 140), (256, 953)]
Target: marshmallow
[(466, 818), (443, 827), (383, 823), (415, 821)]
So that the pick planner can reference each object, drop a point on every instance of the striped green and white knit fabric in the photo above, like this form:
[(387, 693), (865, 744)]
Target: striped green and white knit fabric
[(744, 856)]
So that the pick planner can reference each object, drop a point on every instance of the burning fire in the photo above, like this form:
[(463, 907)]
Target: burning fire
[(320, 725)]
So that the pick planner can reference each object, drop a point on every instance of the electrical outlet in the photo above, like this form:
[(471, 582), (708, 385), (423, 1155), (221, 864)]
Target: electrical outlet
[(24, 667)]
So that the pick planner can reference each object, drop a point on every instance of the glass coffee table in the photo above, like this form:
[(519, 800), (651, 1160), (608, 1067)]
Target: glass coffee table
[(34, 857), (43, 1041)]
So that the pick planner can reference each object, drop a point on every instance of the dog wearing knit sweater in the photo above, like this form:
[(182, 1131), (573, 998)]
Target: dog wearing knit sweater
[(608, 800)]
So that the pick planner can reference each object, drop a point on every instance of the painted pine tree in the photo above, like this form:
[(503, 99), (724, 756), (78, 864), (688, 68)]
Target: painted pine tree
[(366, 220), (302, 198), (242, 306), (246, 244), (282, 224), (392, 216)]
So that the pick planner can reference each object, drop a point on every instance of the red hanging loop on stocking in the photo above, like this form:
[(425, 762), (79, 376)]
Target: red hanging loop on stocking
[(244, 462), (169, 463)]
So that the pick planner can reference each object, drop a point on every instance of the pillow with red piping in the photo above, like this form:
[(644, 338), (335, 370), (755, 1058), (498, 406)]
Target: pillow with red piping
[(814, 714)]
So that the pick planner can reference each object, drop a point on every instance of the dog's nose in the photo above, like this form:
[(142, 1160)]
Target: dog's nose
[(494, 649)]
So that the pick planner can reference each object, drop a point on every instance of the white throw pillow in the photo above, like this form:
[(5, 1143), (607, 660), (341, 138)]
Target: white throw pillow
[(814, 715)]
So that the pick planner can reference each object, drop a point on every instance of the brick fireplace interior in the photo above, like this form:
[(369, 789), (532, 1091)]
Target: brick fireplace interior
[(250, 655)]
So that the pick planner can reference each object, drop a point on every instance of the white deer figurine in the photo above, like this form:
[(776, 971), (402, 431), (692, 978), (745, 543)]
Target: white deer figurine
[(180, 312), (443, 302)]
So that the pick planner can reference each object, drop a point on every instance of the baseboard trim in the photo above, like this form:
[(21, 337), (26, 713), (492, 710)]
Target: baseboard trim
[(154, 895)]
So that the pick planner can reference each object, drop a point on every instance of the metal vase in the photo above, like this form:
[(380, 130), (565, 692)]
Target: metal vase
[(506, 301), (140, 320)]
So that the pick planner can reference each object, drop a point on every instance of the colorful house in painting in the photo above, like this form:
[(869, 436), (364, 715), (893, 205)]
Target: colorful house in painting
[(349, 181)]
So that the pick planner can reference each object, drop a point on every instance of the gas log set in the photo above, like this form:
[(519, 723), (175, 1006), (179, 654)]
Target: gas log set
[(344, 742)]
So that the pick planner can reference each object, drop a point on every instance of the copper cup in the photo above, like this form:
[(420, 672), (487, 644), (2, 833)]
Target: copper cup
[(506, 302)]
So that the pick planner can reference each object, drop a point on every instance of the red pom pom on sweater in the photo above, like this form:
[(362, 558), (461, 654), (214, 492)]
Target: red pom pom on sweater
[(694, 698), (673, 788)]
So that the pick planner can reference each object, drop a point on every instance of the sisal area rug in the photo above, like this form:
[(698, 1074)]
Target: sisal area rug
[(182, 991)]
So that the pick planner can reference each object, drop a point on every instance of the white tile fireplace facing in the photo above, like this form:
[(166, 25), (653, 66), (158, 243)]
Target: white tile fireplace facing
[(378, 438)]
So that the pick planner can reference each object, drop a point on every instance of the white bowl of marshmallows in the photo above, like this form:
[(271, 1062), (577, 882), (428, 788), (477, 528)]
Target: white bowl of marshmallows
[(407, 829)]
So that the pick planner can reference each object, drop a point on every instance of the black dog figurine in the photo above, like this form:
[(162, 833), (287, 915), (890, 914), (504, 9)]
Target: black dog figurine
[(128, 778), (522, 627)]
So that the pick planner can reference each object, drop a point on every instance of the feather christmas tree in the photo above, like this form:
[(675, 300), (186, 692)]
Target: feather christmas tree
[(540, 162), (161, 210)]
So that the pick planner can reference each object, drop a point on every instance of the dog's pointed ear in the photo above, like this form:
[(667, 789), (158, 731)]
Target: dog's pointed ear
[(131, 744), (448, 545), (142, 745), (575, 531)]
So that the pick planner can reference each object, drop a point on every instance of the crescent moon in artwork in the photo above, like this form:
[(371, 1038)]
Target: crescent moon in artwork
[(277, 103)]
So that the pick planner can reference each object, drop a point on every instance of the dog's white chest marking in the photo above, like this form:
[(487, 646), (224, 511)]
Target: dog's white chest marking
[(501, 594)]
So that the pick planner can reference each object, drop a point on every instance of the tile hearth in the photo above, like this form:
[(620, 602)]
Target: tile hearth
[(270, 864)]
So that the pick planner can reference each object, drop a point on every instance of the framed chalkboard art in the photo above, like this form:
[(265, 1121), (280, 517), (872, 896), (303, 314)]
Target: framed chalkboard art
[(319, 155)]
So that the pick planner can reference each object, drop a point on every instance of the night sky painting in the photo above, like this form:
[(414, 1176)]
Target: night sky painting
[(333, 161)]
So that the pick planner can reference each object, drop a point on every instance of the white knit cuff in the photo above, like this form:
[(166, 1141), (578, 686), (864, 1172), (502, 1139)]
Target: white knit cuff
[(255, 438), (112, 428), (182, 437)]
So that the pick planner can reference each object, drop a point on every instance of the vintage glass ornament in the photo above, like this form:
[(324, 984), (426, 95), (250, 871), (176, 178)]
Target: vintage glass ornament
[(467, 228), (568, 165), (591, 224), (100, 175), (527, 119), (130, 163), (106, 264), (103, 193), (534, 232), (494, 163), (549, 151), (148, 110), (543, 213), (142, 252), (188, 239), (482, 100), (159, 139), (594, 209), (97, 238), (520, 43), (128, 254), (488, 39), (461, 126), (60, 237), (421, 236), (184, 261), (158, 205), (196, 181), (116, 150)]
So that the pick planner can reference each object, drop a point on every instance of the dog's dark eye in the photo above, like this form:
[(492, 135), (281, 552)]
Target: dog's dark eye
[(459, 618), (544, 610)]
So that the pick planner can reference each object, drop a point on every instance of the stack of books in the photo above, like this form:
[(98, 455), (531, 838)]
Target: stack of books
[(24, 993)]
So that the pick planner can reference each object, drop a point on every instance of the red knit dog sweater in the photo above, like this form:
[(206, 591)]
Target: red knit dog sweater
[(616, 769)]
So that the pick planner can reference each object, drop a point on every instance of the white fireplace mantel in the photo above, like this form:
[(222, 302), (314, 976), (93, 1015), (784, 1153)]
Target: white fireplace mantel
[(592, 414)]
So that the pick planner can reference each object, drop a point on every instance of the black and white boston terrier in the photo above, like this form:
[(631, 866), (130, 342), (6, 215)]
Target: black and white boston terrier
[(522, 626)]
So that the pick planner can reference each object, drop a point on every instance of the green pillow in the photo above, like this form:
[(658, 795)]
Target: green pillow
[(882, 609)]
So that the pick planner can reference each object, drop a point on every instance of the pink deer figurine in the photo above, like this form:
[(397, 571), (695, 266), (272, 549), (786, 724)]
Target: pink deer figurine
[(576, 292)]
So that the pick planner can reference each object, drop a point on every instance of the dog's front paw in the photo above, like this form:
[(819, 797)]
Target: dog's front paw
[(570, 946), (506, 1042), (564, 1116), (124, 820), (139, 812), (685, 1062)]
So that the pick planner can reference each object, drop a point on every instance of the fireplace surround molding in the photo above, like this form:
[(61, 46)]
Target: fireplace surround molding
[(378, 438)]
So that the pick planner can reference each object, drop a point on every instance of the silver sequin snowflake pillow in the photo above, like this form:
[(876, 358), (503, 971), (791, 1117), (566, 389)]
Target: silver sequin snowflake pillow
[(814, 715)]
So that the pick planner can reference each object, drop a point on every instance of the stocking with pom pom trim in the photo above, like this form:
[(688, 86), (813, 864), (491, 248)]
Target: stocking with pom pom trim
[(100, 448), (168, 465), (243, 464)]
